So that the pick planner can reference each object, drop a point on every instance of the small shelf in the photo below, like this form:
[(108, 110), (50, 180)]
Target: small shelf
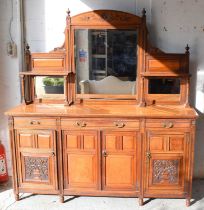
[(36, 73), (164, 74)]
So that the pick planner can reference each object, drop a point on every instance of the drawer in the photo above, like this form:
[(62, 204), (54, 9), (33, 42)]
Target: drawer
[(168, 123), (99, 123), (27, 122)]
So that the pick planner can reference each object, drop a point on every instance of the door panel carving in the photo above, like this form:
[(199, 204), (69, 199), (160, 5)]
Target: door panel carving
[(165, 171), (36, 168)]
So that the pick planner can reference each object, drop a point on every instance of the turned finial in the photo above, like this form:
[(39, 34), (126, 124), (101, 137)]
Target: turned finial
[(143, 12), (68, 13), (187, 49), (27, 47)]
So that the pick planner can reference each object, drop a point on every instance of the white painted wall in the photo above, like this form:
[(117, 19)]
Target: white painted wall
[(9, 69), (172, 24)]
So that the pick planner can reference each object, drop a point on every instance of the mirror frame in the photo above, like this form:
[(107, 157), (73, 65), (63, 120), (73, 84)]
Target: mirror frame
[(105, 19)]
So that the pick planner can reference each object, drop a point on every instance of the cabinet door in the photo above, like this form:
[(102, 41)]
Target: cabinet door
[(166, 163), (119, 167), (81, 160), (36, 159)]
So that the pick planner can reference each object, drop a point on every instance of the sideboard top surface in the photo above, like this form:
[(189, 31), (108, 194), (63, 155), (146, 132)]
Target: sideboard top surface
[(130, 111)]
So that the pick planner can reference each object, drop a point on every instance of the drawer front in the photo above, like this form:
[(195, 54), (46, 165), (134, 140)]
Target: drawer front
[(99, 123), (168, 123), (25, 122)]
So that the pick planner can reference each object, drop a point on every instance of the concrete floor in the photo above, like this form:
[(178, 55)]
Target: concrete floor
[(49, 202)]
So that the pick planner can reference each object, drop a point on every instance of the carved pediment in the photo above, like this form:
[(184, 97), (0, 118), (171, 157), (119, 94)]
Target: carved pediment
[(106, 17)]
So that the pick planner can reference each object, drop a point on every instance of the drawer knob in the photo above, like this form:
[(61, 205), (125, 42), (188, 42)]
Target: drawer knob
[(34, 122), (164, 125), (119, 124), (171, 125), (81, 124), (78, 123), (53, 154), (168, 125)]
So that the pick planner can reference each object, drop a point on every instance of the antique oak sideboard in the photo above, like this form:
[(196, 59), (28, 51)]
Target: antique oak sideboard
[(122, 126)]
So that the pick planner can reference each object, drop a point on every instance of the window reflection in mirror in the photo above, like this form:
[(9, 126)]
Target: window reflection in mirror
[(164, 86), (49, 87), (106, 61)]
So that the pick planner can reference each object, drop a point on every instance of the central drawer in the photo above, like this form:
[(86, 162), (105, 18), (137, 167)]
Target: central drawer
[(99, 123)]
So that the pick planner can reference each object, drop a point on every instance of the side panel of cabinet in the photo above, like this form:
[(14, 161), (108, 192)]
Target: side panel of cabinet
[(81, 160), (119, 166), (166, 163), (37, 164)]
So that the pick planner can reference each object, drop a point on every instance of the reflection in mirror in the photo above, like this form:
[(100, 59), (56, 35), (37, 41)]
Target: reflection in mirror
[(106, 61), (164, 86), (49, 87)]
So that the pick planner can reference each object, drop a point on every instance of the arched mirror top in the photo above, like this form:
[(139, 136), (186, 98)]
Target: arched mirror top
[(105, 18)]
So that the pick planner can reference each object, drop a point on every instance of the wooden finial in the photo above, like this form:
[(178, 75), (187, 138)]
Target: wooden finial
[(27, 48), (27, 58), (187, 49), (68, 13), (143, 12)]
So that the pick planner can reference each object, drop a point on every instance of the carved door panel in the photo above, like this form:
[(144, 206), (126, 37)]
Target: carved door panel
[(36, 159), (81, 160), (166, 163), (119, 160)]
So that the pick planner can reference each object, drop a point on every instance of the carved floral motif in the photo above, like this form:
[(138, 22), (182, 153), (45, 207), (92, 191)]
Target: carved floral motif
[(109, 17), (36, 168), (165, 171)]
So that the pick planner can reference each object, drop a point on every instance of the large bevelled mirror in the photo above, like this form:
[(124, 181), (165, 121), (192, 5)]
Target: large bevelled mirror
[(106, 61)]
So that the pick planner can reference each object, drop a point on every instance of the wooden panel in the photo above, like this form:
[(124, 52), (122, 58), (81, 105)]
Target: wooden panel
[(52, 63), (156, 143), (163, 65), (111, 142), (176, 143), (89, 142), (81, 166), (119, 171), (72, 141), (128, 143), (26, 139), (34, 122), (48, 62), (119, 160), (44, 141), (82, 170)]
